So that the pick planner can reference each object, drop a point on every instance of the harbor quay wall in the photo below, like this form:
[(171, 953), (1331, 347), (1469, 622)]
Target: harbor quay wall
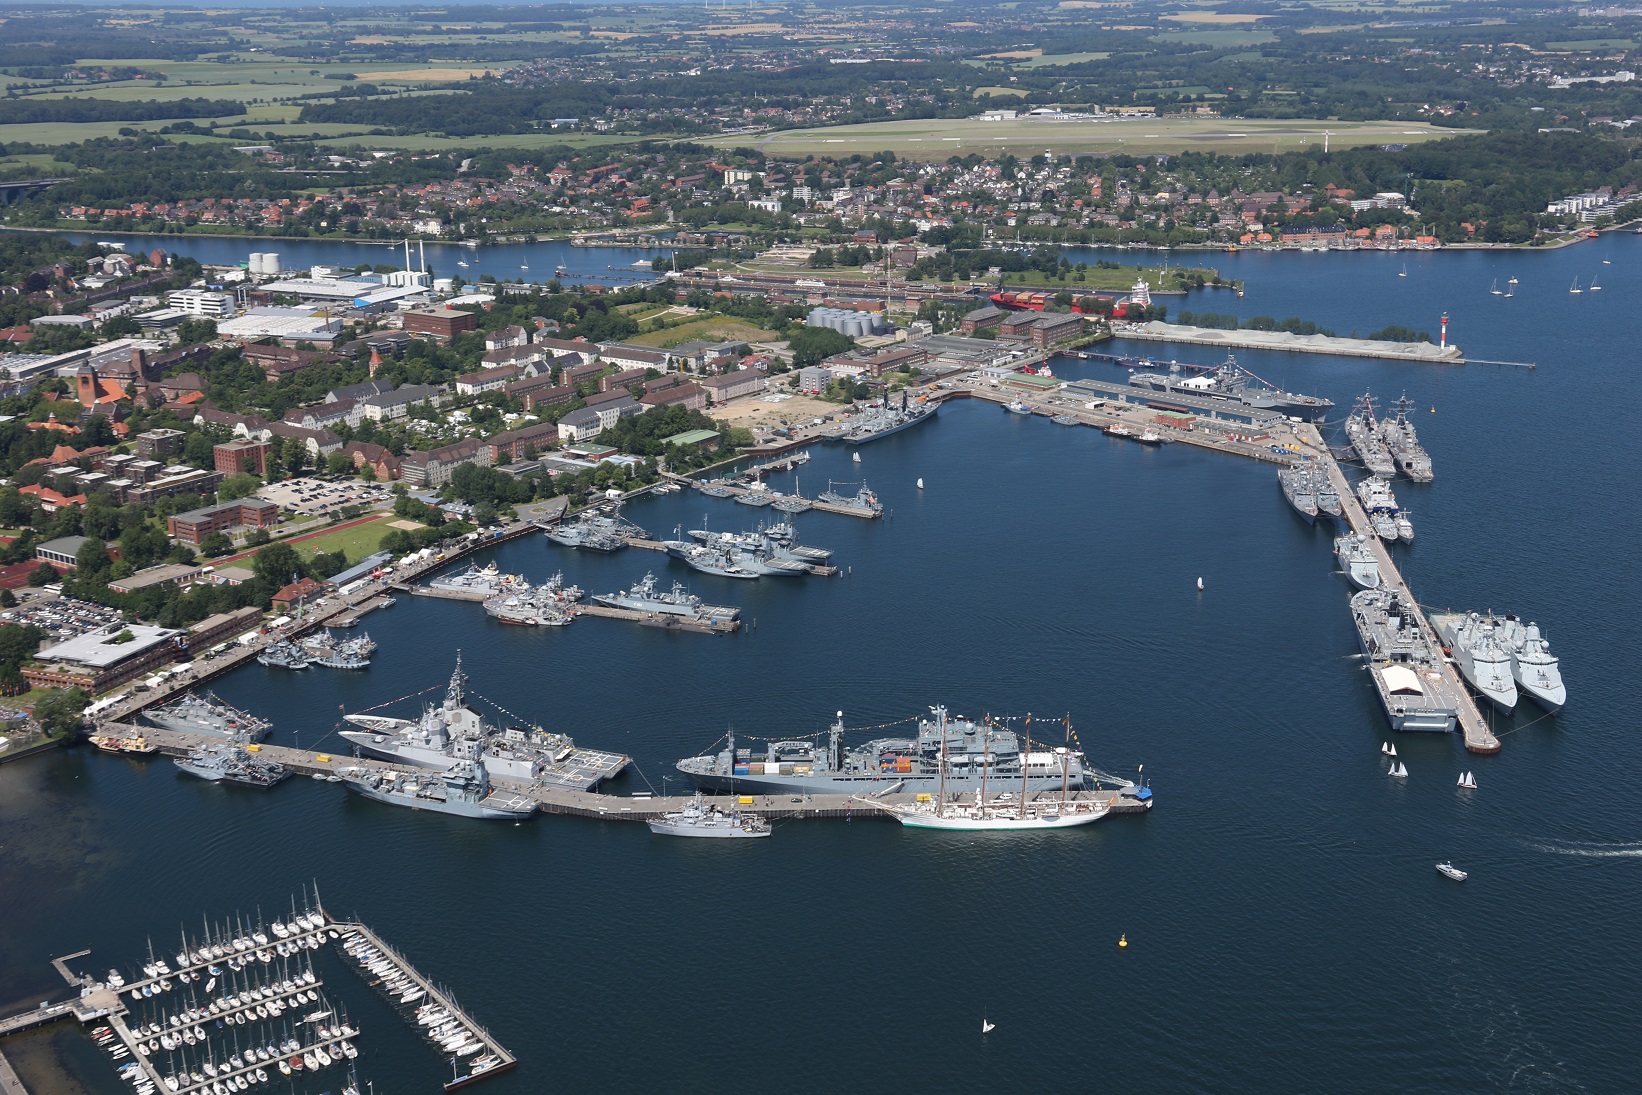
[(336, 609)]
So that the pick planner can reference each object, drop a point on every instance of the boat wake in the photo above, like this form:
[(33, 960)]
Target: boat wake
[(1592, 848)]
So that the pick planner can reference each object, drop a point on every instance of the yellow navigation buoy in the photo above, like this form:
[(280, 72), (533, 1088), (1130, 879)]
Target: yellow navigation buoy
[(1123, 940)]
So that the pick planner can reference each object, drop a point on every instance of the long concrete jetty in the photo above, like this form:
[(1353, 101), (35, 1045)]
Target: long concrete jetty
[(592, 804), (1474, 729), (1418, 352)]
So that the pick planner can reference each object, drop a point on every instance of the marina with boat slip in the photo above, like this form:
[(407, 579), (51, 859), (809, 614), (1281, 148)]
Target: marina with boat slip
[(242, 1005)]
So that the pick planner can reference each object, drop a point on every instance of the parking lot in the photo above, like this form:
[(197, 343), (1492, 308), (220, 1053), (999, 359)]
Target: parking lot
[(62, 618), (323, 499)]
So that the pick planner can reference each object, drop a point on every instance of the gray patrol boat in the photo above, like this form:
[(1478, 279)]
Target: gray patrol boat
[(453, 731), (1404, 664), (232, 764), (1301, 492), (206, 714), (974, 751), (464, 790), (698, 819), (643, 596), (596, 531)]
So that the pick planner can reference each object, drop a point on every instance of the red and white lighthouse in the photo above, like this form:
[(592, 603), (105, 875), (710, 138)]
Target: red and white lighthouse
[(1444, 331)]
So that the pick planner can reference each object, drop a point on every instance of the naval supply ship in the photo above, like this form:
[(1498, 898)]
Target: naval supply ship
[(207, 714), (1472, 641), (1403, 663), (1399, 436), (464, 790), (453, 731), (643, 596), (1357, 560), (1233, 384), (1364, 434), (230, 764), (881, 420), (889, 765)]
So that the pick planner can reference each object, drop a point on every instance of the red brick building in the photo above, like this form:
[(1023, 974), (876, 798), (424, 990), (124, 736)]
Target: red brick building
[(441, 321), (235, 457)]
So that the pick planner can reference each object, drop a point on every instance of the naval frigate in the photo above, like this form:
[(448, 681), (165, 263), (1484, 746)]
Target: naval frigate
[(1472, 641), (1233, 384), (453, 731)]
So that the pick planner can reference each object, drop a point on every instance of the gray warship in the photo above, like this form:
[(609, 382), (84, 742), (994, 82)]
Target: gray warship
[(1234, 384), (1535, 669), (596, 531), (283, 654), (232, 764), (863, 502), (1357, 560), (779, 540), (697, 819), (464, 790), (1403, 663), (1364, 434), (1399, 436), (206, 714), (887, 765), (475, 581), (643, 596), (710, 560), (1472, 640), (324, 648), (453, 731), (1297, 486), (882, 419)]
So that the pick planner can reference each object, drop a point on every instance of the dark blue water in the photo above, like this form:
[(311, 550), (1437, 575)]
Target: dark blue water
[(1286, 928), (526, 262)]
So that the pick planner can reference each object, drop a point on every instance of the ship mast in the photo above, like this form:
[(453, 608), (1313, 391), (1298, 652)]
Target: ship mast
[(1066, 763), (986, 759), (940, 727), (1026, 754)]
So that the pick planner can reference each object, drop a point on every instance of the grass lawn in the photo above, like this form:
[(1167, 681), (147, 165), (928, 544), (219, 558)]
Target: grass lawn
[(359, 541), (709, 328)]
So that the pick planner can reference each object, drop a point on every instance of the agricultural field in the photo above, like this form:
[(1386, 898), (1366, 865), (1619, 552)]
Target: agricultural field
[(940, 139)]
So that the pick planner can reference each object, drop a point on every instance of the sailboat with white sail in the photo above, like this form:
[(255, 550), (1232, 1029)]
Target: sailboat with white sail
[(1494, 289), (1594, 287), (983, 813), (1574, 288)]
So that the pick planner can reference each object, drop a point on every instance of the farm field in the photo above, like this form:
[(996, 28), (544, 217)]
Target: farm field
[(939, 139)]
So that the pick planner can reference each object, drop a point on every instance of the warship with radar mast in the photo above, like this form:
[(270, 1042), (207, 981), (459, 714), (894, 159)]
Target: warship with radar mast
[(1232, 383), (453, 731)]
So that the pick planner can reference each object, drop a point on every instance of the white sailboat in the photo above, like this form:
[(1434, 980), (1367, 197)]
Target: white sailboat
[(1594, 287), (1468, 780), (1494, 289), (1398, 769), (1404, 272), (1511, 288), (1387, 749), (1575, 287), (988, 1028), (981, 814)]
